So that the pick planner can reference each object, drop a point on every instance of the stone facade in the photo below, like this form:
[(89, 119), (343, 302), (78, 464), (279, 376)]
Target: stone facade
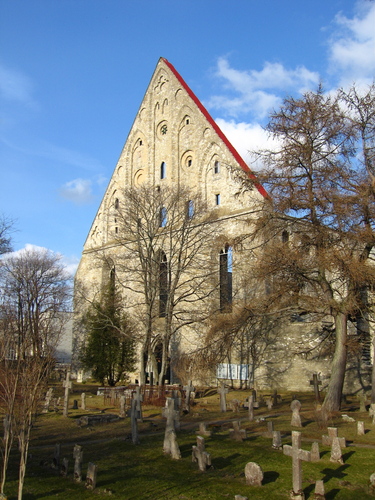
[(175, 143)]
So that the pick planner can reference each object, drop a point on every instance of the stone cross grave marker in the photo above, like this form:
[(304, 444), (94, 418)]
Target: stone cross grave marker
[(269, 403), (92, 471), (276, 440), (203, 429), (253, 474), (237, 434), (138, 398), (296, 418), (83, 401), (177, 406), (251, 408), (78, 458), (362, 401), (332, 433), (298, 455), (134, 422), (336, 454), (171, 414), (122, 406), (188, 390), (67, 384), (170, 445), (316, 383), (200, 455), (223, 391)]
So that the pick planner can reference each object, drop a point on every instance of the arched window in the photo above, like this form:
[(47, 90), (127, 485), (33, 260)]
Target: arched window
[(163, 217), (225, 270), (216, 167), (190, 209), (163, 170), (163, 285), (117, 204)]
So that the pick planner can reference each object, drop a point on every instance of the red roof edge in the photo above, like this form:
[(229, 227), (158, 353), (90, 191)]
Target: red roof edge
[(217, 129)]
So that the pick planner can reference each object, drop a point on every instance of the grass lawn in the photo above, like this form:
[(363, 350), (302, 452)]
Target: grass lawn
[(128, 471)]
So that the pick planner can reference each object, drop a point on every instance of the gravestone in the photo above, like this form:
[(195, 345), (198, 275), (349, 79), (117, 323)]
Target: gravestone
[(223, 391), (360, 428), (298, 455), (255, 401), (237, 434), (276, 440), (47, 402), (138, 407), (346, 418), (240, 497), (319, 493), (64, 467), (371, 410), (315, 453), (269, 404), (336, 454), (316, 383), (83, 401), (78, 458), (170, 446), (296, 418), (56, 456), (269, 432), (200, 455), (67, 384), (203, 429), (253, 474), (188, 390), (235, 405), (372, 483), (171, 414), (122, 413), (92, 471), (134, 422), (251, 408), (332, 433), (362, 401), (177, 406)]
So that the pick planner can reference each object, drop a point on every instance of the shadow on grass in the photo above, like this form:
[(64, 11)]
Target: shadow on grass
[(30, 496), (334, 473), (270, 476), (346, 456), (222, 462)]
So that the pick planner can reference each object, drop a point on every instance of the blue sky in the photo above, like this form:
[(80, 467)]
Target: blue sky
[(74, 72)]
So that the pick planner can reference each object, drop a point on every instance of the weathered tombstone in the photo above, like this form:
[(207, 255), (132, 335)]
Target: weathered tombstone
[(269, 404), (92, 471), (237, 434), (67, 384), (251, 408), (346, 418), (316, 383), (223, 391), (240, 497), (138, 408), (78, 457), (171, 414), (372, 483), (47, 402), (319, 493), (362, 401), (235, 404), (170, 446), (200, 455), (133, 421), (177, 406), (188, 390), (298, 455), (83, 401), (336, 454), (332, 433), (371, 410), (255, 401), (269, 432), (122, 406), (276, 440), (296, 418), (56, 456), (64, 467), (253, 474), (360, 428), (315, 453), (203, 429)]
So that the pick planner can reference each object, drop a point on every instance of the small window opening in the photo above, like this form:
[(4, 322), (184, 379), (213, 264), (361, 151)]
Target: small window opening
[(117, 203), (140, 142), (217, 199), (190, 209), (187, 121), (116, 230), (163, 170), (163, 217), (216, 167), (163, 285), (226, 278), (190, 162), (285, 236)]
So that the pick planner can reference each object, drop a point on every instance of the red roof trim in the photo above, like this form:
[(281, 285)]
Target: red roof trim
[(217, 129)]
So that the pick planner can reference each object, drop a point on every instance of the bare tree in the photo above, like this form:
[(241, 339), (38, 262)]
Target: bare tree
[(319, 228), (34, 299), (6, 228), (164, 266)]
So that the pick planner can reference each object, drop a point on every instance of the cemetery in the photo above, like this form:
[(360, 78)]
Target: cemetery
[(214, 443)]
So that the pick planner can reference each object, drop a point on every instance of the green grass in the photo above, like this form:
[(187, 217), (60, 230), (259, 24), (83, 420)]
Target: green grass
[(126, 471)]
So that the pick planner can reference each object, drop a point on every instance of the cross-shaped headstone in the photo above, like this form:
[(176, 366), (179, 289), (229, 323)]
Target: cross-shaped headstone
[(332, 433), (122, 406), (200, 455), (237, 433), (170, 414), (251, 408), (78, 457), (138, 398), (296, 419), (133, 421), (223, 391), (316, 383), (170, 445), (188, 390), (336, 454), (298, 455), (203, 429), (67, 384)]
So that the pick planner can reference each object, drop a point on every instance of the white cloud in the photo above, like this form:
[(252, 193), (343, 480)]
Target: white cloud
[(257, 91), (352, 47), (78, 191), (15, 86)]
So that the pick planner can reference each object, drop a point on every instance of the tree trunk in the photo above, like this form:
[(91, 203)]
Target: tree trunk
[(373, 373), (332, 401)]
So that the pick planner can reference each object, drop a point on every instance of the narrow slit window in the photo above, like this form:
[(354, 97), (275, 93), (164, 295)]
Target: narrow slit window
[(163, 170), (216, 167), (163, 217), (163, 285), (217, 199), (190, 209), (226, 279)]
